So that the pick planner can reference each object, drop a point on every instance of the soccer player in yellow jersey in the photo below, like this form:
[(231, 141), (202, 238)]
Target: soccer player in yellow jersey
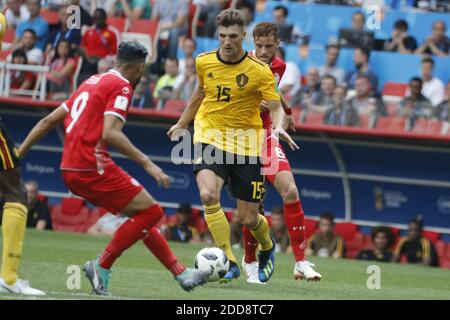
[(14, 196), (228, 136)]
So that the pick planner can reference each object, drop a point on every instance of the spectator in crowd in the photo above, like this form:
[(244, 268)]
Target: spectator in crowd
[(365, 102), (383, 240), (27, 43), (173, 18), (108, 5), (415, 105), (330, 67), (401, 41), (98, 42), (16, 12), (107, 224), (358, 21), (323, 100), (105, 64), (290, 83), (188, 47), (62, 67), (142, 98), (278, 231), (309, 93), (209, 9), (249, 13), (164, 86), (185, 84), (433, 88), (415, 247), (24, 80), (361, 58), (443, 110), (340, 113), (36, 23), (288, 32), (73, 35), (181, 231), (438, 43), (235, 230), (38, 212), (133, 9), (325, 243)]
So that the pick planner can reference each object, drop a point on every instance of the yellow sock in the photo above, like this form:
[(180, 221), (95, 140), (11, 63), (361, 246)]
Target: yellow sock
[(261, 233), (220, 229), (13, 228)]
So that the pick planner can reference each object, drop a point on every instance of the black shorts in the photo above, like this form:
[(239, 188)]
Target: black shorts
[(8, 152), (243, 174)]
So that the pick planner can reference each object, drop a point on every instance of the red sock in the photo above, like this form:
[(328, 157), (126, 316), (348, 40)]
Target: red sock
[(129, 233), (158, 245), (250, 245), (294, 220)]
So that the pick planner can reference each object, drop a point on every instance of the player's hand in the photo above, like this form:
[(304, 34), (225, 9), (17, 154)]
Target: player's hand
[(176, 131), (283, 135), (289, 123), (156, 172)]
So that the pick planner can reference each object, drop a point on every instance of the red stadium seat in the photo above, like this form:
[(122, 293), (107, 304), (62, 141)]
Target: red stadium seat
[(149, 27), (71, 215), (368, 244), (445, 261), (364, 121), (441, 247), (346, 230), (314, 118), (310, 227), (391, 124), (428, 126), (52, 17), (431, 235), (117, 22), (174, 106), (354, 245), (9, 36), (395, 89), (4, 54)]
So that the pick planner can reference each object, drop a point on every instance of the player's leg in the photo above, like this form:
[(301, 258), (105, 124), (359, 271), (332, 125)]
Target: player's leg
[(284, 183), (210, 185), (13, 228)]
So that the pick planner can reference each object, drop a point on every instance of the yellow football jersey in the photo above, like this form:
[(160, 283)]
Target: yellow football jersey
[(229, 116), (3, 26)]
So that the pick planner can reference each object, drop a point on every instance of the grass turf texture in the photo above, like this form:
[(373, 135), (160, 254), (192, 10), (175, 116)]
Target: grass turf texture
[(138, 275)]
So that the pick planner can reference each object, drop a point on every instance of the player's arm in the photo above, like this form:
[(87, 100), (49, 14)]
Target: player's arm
[(277, 119), (289, 120), (113, 135), (42, 128), (189, 112)]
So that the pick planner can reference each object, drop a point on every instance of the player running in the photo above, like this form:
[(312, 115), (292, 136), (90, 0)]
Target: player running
[(15, 209), (93, 120), (232, 85), (277, 168)]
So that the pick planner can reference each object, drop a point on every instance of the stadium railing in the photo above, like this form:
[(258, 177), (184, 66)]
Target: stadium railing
[(41, 83)]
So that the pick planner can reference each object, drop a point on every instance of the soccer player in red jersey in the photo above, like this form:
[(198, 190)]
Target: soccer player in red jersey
[(93, 120), (277, 169)]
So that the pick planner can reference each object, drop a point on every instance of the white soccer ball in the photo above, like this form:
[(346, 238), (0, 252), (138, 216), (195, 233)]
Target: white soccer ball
[(213, 260)]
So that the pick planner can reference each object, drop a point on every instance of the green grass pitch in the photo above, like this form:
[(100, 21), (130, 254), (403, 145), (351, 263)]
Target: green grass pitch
[(138, 275)]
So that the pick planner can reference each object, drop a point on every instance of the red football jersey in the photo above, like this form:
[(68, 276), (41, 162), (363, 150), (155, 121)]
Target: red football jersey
[(101, 94), (278, 67)]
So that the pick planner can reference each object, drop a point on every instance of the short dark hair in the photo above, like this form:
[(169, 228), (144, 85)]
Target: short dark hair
[(131, 52), (329, 76), (102, 12), (363, 76), (365, 52), (418, 221), (332, 46), (230, 17), (416, 79), (19, 53), (428, 60), (327, 216), (401, 25), (356, 13), (266, 29), (184, 208), (282, 8), (192, 40), (175, 59), (31, 31), (387, 231)]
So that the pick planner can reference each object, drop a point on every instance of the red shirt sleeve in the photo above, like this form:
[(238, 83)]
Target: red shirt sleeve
[(119, 101)]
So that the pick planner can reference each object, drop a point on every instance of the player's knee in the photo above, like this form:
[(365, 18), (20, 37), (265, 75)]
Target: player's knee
[(208, 197), (290, 194), (250, 220)]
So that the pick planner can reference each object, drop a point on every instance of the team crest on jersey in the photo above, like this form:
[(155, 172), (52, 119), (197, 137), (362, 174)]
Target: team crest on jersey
[(277, 77), (125, 90), (241, 80)]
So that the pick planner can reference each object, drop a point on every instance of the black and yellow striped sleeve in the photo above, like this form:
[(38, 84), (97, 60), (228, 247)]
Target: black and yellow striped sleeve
[(339, 251), (426, 248)]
